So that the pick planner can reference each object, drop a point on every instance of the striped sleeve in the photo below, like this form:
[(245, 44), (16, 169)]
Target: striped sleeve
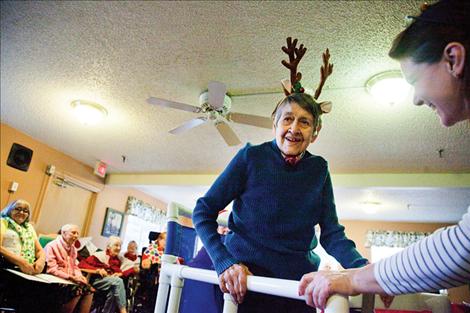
[(439, 261)]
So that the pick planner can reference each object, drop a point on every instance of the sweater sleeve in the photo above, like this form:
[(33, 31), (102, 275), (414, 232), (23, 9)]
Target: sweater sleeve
[(439, 261), (227, 187), (332, 236)]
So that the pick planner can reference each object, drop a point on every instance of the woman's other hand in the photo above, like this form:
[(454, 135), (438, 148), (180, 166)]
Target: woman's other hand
[(319, 286), (102, 272), (79, 280), (234, 281), (26, 268), (38, 266)]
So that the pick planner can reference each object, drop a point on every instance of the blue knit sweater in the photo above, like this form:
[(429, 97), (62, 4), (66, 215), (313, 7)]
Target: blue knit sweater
[(275, 209)]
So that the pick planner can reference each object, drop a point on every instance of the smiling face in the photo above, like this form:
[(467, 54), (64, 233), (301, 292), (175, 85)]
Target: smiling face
[(132, 247), (114, 248), (71, 234), (436, 87), (293, 129), (20, 213)]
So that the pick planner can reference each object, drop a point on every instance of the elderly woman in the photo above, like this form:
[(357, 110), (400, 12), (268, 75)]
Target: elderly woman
[(20, 250), (61, 257), (107, 264), (19, 244)]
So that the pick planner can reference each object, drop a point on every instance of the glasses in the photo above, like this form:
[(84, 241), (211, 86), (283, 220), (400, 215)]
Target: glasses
[(23, 210)]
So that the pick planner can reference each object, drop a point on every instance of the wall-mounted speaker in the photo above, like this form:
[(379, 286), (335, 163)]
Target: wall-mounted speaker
[(20, 157)]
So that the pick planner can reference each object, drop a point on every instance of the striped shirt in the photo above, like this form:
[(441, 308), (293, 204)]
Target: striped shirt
[(439, 261)]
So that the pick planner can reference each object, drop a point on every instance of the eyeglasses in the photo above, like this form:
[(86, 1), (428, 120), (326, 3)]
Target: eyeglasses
[(23, 210)]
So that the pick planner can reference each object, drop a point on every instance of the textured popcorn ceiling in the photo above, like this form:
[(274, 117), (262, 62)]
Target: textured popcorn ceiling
[(120, 53)]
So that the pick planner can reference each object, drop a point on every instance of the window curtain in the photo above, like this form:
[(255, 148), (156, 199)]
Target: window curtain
[(388, 238), (146, 211)]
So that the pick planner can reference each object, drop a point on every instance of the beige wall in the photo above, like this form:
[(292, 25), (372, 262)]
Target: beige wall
[(30, 182)]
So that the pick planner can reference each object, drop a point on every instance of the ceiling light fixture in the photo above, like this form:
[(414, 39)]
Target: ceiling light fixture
[(388, 87), (88, 112)]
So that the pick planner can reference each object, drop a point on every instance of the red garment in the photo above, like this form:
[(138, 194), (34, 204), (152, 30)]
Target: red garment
[(112, 266), (130, 256)]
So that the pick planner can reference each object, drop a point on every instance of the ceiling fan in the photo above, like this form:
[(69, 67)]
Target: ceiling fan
[(215, 105)]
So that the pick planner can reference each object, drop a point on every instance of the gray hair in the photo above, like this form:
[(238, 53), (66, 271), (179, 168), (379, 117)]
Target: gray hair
[(68, 227), (113, 240)]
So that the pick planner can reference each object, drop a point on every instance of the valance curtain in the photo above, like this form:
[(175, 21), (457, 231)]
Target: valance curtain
[(146, 211), (388, 238)]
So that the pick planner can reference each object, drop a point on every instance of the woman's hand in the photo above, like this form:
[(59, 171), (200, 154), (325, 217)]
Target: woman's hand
[(26, 268), (102, 272), (319, 286), (117, 274), (38, 266), (233, 280), (79, 280)]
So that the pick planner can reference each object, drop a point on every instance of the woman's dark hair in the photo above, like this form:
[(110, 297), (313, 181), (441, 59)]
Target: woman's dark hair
[(306, 102), (425, 39)]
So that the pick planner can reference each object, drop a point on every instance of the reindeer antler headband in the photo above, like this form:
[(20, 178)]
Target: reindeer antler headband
[(293, 84)]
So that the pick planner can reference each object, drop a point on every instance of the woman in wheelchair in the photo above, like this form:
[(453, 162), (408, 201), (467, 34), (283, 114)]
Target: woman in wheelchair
[(107, 276), (61, 256)]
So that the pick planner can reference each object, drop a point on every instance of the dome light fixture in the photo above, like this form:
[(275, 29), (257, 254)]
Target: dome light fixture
[(388, 87), (89, 113)]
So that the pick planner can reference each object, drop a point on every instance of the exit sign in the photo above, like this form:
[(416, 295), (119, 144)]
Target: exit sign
[(100, 169)]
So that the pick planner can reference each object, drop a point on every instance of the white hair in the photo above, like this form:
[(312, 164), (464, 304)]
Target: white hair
[(113, 240), (68, 227)]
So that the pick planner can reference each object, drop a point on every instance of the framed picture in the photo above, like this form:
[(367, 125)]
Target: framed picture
[(112, 223)]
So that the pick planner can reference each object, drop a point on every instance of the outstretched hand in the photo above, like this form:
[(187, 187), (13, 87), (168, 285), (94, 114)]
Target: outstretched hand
[(319, 286), (234, 281)]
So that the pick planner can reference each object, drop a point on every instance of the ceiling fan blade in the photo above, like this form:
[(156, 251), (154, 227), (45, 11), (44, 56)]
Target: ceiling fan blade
[(174, 105), (217, 92), (253, 120), (227, 133), (188, 125)]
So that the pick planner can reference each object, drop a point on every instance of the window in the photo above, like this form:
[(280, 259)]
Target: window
[(137, 229)]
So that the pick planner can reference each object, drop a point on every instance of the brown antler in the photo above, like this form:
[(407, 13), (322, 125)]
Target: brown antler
[(325, 71), (295, 54)]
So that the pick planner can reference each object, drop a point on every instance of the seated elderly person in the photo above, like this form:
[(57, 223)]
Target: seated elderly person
[(61, 257), (19, 244), (20, 250), (107, 264)]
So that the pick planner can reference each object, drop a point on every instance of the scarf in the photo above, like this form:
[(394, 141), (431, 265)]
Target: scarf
[(26, 234)]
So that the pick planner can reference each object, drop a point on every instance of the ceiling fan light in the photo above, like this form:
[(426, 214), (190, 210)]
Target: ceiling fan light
[(88, 113), (388, 87)]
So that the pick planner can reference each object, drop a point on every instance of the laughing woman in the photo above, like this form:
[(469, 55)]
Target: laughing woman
[(18, 241)]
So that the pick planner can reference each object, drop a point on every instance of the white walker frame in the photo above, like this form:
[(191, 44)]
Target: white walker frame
[(173, 275)]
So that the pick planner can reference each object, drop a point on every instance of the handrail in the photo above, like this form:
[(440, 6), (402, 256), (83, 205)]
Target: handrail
[(272, 286)]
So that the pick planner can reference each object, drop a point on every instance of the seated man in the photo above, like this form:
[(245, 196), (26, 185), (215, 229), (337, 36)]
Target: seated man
[(107, 264), (61, 257)]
